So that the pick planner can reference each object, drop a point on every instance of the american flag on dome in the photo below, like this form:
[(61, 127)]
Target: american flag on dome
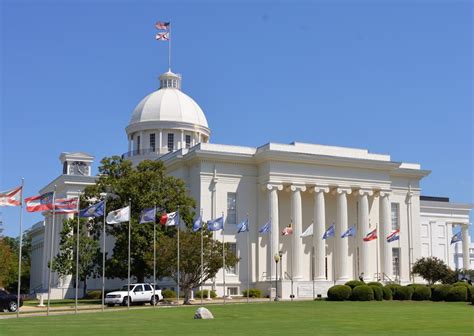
[(371, 235), (11, 197), (162, 25), (287, 231), (162, 36)]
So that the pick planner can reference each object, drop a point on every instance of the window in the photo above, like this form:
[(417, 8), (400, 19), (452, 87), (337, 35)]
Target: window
[(231, 208), (188, 141), (396, 261), (152, 142), (138, 288), (232, 291), (138, 144), (170, 142), (233, 249), (395, 216), (147, 288)]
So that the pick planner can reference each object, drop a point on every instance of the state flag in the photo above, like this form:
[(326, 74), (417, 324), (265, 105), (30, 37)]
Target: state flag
[(162, 36), (216, 224), (66, 205), (94, 210), (308, 232), (170, 219), (11, 197), (350, 232), (395, 235), (147, 215), (456, 238), (243, 226), (118, 216), (371, 235), (287, 231), (42, 202), (265, 228), (197, 224), (330, 232)]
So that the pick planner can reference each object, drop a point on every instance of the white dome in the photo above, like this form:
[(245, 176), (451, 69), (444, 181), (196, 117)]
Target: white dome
[(169, 104)]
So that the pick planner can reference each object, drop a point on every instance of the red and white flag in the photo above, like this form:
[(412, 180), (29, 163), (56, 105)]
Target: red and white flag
[(162, 25), (65, 205), (287, 231), (163, 36), (371, 235), (39, 203), (11, 197), (170, 219)]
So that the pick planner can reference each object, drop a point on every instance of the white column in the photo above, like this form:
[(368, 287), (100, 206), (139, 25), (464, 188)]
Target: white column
[(297, 255), (319, 226), (160, 141), (142, 141), (449, 232), (363, 220), (275, 229), (129, 143), (341, 227), (465, 247), (385, 227), (182, 140)]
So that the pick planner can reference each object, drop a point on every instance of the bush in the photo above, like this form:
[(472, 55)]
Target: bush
[(339, 293), (93, 294), (253, 293), (440, 292), (387, 293), (421, 293), (393, 287), (403, 293), (378, 293), (362, 293), (457, 293), (471, 293), (354, 283), (198, 294), (461, 283), (375, 283), (168, 294)]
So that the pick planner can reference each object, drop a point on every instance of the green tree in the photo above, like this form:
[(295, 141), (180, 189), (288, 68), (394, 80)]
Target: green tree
[(64, 263), (9, 250), (190, 259), (8, 262), (431, 269), (147, 185)]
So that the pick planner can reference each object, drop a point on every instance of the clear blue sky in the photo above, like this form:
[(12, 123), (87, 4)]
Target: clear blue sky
[(393, 77)]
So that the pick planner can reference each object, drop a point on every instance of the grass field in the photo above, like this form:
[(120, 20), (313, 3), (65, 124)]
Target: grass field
[(282, 318)]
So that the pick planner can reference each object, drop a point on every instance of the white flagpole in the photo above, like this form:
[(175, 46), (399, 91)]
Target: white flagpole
[(129, 235), (169, 46), (103, 254), (51, 251), (178, 275), (77, 255), (19, 252), (270, 260), (248, 258), (223, 260), (377, 251), (334, 248), (154, 260), (202, 260)]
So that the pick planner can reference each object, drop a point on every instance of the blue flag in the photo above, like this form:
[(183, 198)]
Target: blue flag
[(216, 224), (148, 215), (95, 210), (197, 224), (350, 232), (330, 232), (456, 238), (243, 226), (266, 227)]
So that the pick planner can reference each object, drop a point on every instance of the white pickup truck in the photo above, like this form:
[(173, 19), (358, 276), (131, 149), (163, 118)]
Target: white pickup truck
[(139, 293)]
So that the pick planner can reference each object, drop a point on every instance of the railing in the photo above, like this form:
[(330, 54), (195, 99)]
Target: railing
[(135, 152)]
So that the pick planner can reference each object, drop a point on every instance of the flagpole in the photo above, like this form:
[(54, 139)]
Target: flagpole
[(223, 260), (334, 259), (154, 259), (270, 261), (248, 258), (103, 253), (77, 255), (129, 237), (291, 263), (178, 275), (377, 252), (202, 259), (51, 251), (169, 46), (19, 252)]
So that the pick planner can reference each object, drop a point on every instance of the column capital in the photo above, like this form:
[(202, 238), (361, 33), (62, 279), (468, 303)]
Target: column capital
[(365, 191), (343, 190), (272, 186), (319, 188), (384, 193), (298, 187)]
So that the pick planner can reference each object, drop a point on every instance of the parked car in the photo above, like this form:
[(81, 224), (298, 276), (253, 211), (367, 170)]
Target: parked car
[(139, 293), (9, 301)]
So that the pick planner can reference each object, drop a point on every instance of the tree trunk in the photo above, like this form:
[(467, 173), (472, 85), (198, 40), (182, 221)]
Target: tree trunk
[(84, 293), (186, 296)]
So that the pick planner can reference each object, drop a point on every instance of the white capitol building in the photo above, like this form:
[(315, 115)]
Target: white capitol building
[(298, 182)]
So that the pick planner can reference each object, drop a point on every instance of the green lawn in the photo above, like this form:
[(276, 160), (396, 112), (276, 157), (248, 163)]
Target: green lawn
[(282, 318)]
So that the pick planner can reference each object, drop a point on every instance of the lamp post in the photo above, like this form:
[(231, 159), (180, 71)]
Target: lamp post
[(280, 253), (276, 257)]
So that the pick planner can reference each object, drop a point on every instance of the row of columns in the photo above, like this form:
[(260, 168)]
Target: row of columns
[(319, 227), (133, 140)]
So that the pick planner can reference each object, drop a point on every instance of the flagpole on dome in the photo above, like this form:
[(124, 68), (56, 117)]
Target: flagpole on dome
[(77, 254), (19, 252), (51, 251)]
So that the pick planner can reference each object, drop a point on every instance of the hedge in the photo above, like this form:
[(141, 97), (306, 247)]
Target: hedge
[(461, 283), (253, 293), (393, 287), (387, 293), (457, 293), (354, 283), (378, 293), (93, 294), (213, 294), (362, 293), (403, 293), (471, 292), (421, 293), (374, 283), (440, 292), (339, 293), (168, 293)]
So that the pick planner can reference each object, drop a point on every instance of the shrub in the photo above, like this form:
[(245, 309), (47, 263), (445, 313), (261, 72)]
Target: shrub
[(471, 293), (458, 293), (354, 283), (378, 292), (403, 293), (387, 293), (253, 293), (199, 293), (362, 293), (440, 292), (461, 283), (94, 294), (393, 287), (168, 293), (339, 293), (421, 293), (375, 283)]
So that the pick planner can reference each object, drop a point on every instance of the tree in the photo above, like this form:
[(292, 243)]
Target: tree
[(190, 259), (147, 185), (431, 269), (7, 264), (64, 263), (9, 250)]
